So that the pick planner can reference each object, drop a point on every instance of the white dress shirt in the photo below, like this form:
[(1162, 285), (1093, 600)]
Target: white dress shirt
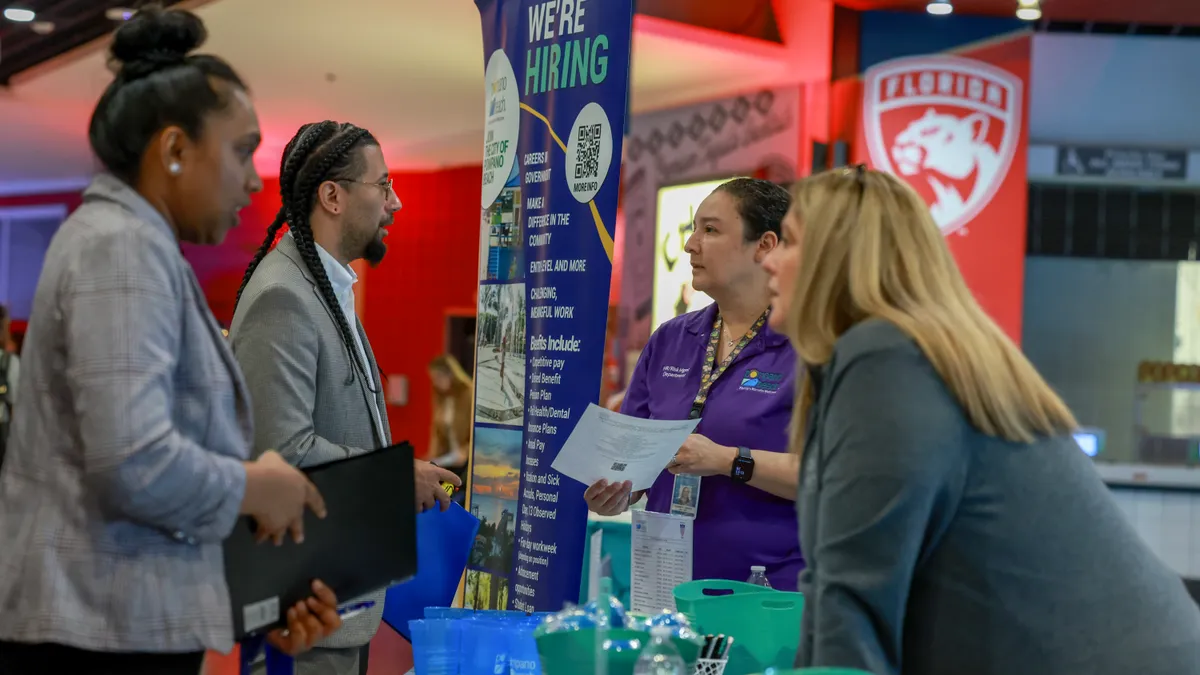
[(343, 278)]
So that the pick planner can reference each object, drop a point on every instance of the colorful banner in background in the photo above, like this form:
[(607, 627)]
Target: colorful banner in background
[(557, 81), (955, 127)]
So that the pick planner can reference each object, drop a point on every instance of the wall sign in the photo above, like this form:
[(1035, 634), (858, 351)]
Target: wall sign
[(1122, 163)]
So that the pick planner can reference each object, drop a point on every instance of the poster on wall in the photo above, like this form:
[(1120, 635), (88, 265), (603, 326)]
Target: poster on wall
[(556, 84), (954, 127), (675, 216)]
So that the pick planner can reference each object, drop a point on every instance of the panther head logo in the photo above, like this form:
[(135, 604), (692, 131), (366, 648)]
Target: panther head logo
[(948, 125)]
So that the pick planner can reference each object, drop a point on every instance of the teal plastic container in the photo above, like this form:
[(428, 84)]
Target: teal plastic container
[(764, 623), (817, 671)]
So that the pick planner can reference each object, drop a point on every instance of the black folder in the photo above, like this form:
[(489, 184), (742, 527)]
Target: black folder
[(367, 542)]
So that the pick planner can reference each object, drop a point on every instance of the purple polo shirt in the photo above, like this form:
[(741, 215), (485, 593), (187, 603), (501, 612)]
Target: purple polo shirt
[(737, 526)]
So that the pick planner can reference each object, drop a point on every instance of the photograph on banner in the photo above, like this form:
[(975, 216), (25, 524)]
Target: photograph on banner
[(485, 591), (502, 229), (673, 292), (495, 484), (500, 355)]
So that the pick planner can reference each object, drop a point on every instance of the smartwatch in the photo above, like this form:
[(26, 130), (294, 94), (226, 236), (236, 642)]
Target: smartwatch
[(743, 466)]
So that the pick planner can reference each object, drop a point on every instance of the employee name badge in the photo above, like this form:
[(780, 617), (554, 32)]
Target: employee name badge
[(685, 497)]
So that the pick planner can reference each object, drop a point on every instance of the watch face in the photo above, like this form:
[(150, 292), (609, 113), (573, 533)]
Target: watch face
[(743, 469)]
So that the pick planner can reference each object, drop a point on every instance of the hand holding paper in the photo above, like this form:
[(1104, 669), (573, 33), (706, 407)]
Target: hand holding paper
[(617, 448)]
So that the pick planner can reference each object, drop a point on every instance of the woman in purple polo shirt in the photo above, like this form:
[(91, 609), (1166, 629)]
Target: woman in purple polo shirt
[(724, 365)]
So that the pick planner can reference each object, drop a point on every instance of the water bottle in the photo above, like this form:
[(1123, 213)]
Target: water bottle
[(758, 576), (660, 656)]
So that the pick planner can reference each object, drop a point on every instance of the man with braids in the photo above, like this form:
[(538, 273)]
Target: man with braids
[(307, 361)]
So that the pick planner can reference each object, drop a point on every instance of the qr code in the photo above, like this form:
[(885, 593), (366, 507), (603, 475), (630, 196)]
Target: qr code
[(618, 466), (587, 159)]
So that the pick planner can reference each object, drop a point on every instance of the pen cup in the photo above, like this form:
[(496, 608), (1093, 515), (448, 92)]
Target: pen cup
[(710, 666)]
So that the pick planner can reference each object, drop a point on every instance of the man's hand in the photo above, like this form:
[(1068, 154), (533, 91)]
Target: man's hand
[(429, 479)]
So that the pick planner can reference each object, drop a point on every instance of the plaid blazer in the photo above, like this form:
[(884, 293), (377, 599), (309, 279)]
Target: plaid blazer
[(124, 469)]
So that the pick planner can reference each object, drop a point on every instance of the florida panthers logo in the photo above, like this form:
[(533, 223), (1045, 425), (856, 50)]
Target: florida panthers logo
[(948, 125)]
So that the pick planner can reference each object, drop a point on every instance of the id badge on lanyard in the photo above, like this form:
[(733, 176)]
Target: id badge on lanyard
[(685, 495)]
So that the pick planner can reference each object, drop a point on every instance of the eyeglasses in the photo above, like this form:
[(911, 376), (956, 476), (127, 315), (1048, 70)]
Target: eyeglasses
[(385, 186)]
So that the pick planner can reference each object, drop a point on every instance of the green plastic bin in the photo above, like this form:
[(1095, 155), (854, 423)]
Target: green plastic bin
[(574, 652), (765, 623), (817, 671)]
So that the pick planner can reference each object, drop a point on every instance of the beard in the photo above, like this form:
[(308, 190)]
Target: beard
[(375, 249)]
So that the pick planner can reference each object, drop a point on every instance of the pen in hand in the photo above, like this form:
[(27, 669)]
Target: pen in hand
[(351, 611)]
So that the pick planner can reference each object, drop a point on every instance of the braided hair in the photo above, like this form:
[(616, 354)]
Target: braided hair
[(319, 152)]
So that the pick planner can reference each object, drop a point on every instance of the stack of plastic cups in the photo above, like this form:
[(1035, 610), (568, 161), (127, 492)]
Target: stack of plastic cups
[(464, 642), (436, 644), (499, 642)]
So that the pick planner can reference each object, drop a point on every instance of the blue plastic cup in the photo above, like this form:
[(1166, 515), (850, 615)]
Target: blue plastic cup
[(522, 650), (485, 645), (436, 646)]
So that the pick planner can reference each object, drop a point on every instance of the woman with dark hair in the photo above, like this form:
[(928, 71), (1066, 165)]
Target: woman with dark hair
[(126, 464), (725, 366)]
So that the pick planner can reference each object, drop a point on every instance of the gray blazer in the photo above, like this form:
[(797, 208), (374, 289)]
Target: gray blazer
[(310, 403), (936, 550), (124, 468)]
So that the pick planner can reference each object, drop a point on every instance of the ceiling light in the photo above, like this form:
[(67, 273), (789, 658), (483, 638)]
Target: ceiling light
[(19, 15), (118, 13), (1029, 10), (939, 7)]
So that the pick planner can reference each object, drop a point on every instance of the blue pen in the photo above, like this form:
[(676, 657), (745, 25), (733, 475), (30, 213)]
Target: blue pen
[(354, 610)]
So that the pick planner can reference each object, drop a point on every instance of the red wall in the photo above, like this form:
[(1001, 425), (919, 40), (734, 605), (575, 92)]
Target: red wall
[(432, 266), (71, 199)]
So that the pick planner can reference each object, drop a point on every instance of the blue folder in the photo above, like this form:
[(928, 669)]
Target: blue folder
[(444, 541)]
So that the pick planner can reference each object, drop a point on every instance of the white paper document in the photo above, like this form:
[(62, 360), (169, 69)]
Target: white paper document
[(661, 556), (618, 447)]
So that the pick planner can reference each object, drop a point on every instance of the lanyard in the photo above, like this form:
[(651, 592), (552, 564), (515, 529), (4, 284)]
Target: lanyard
[(709, 374)]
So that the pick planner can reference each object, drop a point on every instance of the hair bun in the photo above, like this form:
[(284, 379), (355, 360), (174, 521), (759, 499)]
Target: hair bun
[(155, 38)]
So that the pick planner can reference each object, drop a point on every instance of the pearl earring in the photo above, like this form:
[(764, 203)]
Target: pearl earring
[(174, 168)]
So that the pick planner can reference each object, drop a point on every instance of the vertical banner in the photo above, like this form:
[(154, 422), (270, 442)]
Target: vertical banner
[(556, 85), (954, 127)]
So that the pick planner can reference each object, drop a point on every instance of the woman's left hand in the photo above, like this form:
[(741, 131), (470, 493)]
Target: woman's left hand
[(701, 457), (308, 622)]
